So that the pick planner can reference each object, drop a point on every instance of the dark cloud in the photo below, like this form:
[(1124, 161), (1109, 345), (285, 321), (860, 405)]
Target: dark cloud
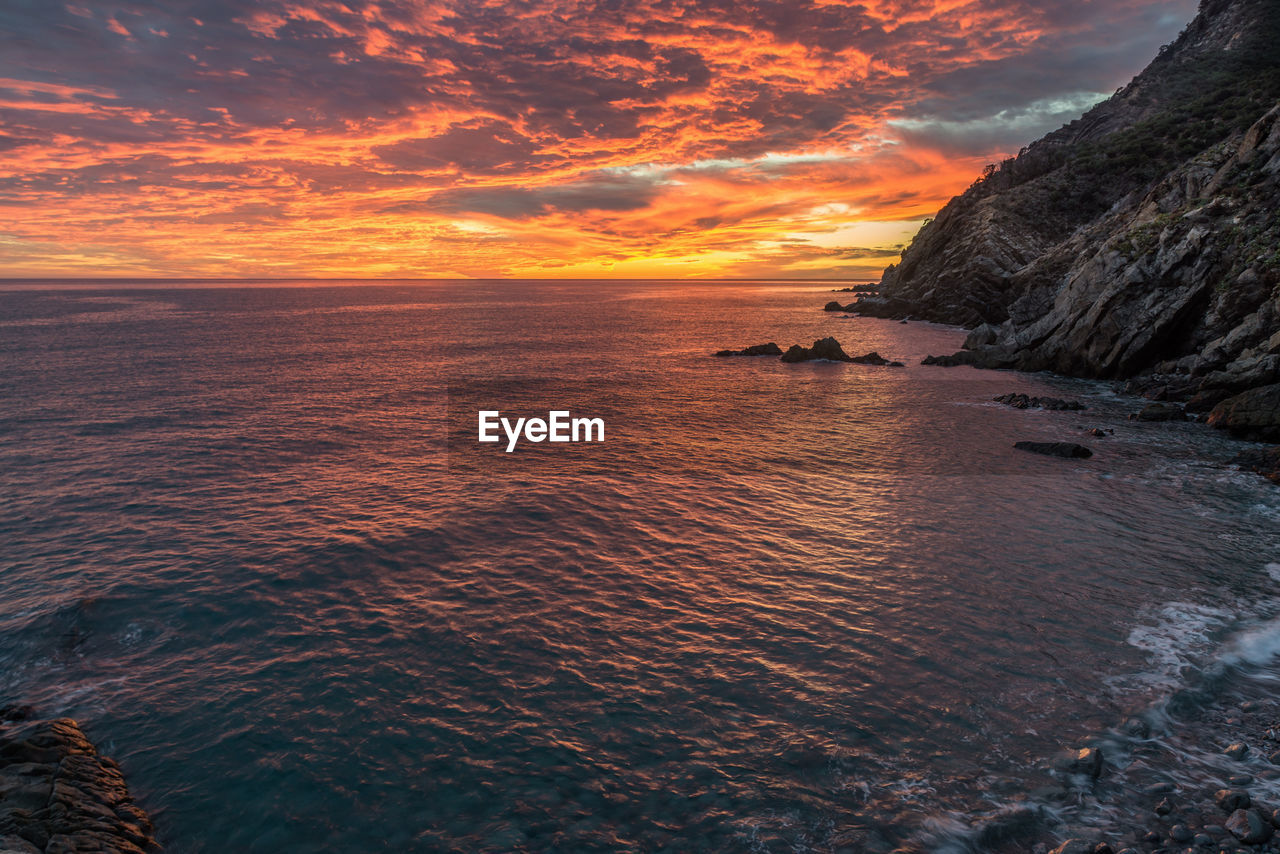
[(601, 193), (485, 148)]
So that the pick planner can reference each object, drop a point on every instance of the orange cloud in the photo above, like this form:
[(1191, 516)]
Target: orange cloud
[(709, 137)]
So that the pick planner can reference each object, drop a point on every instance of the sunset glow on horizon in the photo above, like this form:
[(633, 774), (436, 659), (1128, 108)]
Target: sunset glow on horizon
[(655, 138)]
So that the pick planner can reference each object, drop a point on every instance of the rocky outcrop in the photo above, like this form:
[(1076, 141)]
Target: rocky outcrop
[(59, 796), (1254, 414), (770, 349), (824, 348), (1141, 240)]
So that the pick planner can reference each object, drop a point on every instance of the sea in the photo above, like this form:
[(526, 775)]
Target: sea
[(249, 539)]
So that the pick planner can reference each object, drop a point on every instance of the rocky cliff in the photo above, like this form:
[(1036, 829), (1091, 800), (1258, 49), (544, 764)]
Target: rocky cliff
[(1141, 240)]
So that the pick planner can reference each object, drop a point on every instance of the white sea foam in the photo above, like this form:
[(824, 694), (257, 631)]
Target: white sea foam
[(1173, 636)]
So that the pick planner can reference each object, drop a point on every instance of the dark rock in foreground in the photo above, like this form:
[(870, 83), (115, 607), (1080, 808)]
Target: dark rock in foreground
[(770, 349), (1264, 461), (1055, 449), (58, 795), (1022, 401), (823, 348), (833, 306), (1255, 414)]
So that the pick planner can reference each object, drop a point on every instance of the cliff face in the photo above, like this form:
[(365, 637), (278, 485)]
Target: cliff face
[(1143, 238)]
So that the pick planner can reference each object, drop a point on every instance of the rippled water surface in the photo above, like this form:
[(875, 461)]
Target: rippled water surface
[(247, 537)]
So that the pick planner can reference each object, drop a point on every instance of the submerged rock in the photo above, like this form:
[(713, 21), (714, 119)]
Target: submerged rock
[(1055, 449), (1073, 846), (964, 357), (1022, 401), (824, 348), (1159, 412), (1264, 461), (770, 349)]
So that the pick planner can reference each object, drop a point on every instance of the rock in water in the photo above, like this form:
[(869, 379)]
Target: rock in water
[(770, 349), (1264, 461), (1230, 800), (1249, 826), (833, 306), (1022, 401), (1237, 751), (1255, 414), (874, 358), (1086, 760), (1159, 412), (58, 794), (964, 357), (823, 348), (1055, 449)]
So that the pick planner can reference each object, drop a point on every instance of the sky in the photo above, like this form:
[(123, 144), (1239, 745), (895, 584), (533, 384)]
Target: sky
[(536, 138)]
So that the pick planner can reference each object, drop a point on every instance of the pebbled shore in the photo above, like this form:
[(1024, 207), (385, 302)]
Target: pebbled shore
[(59, 796)]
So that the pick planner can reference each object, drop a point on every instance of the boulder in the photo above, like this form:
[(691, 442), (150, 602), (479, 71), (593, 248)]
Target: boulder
[(770, 349), (1055, 449), (1249, 826), (983, 336), (833, 306), (1254, 414), (824, 348)]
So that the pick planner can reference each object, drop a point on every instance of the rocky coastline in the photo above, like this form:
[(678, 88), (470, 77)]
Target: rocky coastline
[(58, 795), (1139, 243)]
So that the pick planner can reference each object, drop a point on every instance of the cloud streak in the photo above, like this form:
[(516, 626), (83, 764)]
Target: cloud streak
[(648, 137)]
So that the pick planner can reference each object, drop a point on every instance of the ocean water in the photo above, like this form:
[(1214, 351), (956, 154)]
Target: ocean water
[(248, 539)]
